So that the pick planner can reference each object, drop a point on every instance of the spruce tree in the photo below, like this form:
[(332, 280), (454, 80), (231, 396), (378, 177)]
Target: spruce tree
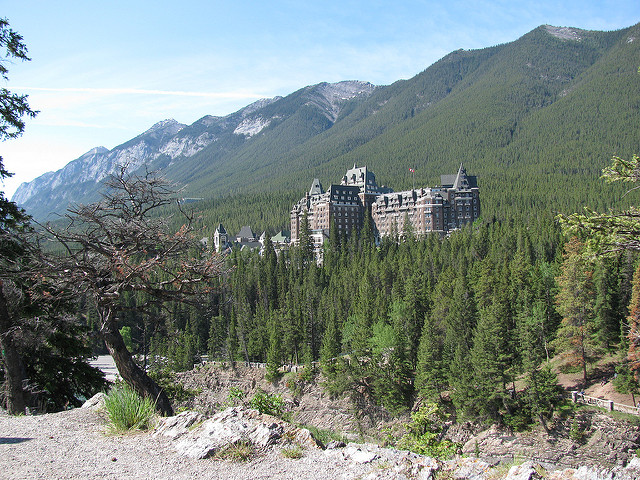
[(274, 352), (633, 321), (575, 304), (305, 241)]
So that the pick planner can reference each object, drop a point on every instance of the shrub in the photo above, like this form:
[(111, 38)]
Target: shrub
[(424, 434), (268, 403), (176, 391), (235, 397), (128, 411)]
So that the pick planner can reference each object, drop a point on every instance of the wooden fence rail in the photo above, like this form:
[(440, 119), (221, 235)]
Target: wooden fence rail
[(577, 397)]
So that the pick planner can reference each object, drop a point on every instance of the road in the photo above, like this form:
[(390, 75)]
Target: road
[(107, 365)]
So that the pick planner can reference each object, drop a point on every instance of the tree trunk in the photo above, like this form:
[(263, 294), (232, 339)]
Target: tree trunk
[(583, 355), (130, 372), (13, 368), (543, 423)]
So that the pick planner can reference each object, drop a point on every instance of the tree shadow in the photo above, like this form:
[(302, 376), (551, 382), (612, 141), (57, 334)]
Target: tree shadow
[(13, 440)]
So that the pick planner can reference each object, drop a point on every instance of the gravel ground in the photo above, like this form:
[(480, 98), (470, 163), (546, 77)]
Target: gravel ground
[(73, 445)]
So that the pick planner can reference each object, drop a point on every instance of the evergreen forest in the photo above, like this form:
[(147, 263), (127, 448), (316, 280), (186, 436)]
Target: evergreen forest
[(470, 320)]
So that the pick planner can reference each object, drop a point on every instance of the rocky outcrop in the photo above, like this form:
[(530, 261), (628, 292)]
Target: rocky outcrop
[(96, 402), (197, 437), (588, 438)]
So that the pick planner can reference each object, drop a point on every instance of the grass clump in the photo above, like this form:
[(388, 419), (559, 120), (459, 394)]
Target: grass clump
[(292, 451), (128, 411), (241, 451), (324, 436)]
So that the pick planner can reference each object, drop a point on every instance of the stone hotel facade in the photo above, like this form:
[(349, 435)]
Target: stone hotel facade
[(441, 209)]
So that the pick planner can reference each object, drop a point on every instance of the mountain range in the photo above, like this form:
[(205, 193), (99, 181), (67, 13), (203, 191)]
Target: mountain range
[(535, 119)]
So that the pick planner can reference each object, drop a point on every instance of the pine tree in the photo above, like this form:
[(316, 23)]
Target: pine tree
[(575, 304), (633, 321), (274, 353), (460, 323), (305, 241), (491, 360), (432, 369), (606, 322)]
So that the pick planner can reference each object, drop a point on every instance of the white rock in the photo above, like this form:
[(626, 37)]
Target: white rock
[(358, 455), (96, 402), (526, 471), (174, 427), (227, 427), (590, 473)]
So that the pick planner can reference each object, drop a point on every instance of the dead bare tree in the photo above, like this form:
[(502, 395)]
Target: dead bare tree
[(121, 244)]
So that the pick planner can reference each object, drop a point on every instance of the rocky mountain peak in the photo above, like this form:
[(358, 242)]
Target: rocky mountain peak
[(330, 97), (564, 33), (169, 125), (96, 151)]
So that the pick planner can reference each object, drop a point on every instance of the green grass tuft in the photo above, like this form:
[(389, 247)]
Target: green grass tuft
[(128, 411), (241, 451), (292, 451)]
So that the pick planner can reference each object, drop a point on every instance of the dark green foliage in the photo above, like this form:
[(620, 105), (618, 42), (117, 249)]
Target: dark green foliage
[(175, 390), (57, 372), (467, 321), (626, 382)]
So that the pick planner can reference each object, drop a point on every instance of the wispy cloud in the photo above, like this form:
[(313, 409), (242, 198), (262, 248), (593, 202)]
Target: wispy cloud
[(140, 91)]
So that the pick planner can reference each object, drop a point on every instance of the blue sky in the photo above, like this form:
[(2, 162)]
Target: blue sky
[(103, 72)]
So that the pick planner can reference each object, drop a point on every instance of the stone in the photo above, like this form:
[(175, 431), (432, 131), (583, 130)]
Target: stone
[(526, 471), (589, 473), (176, 426), (233, 425), (305, 439), (634, 463), (469, 468), (359, 454), (96, 402), (335, 444)]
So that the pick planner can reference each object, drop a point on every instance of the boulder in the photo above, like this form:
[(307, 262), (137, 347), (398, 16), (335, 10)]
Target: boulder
[(526, 471), (96, 402), (359, 454), (233, 425), (174, 427), (468, 468)]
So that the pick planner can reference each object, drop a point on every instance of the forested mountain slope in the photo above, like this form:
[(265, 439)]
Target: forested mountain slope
[(535, 119)]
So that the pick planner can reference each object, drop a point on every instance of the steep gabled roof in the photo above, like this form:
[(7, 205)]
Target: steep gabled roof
[(246, 232), (316, 187), (459, 181)]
